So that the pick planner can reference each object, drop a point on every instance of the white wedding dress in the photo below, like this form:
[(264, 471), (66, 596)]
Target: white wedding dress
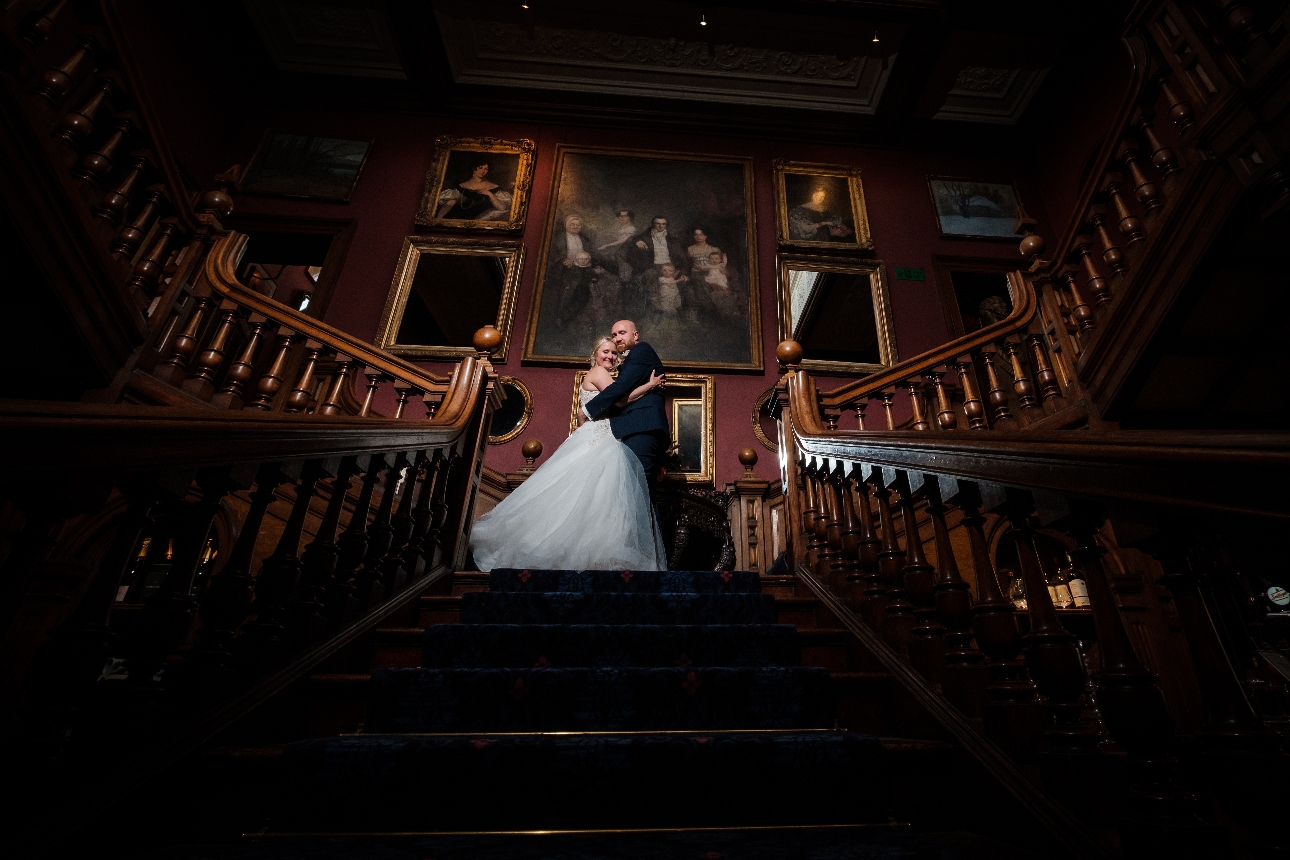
[(586, 508)]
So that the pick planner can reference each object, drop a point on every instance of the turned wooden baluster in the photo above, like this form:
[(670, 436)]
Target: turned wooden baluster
[(97, 165), (1144, 189), (393, 575), (1111, 253), (915, 389), (1050, 389), (1052, 654), (839, 566), (42, 23), (147, 272), (57, 82), (997, 396), (1081, 313), (898, 614), (859, 406), (868, 591), (927, 646), (299, 398), (270, 382), (946, 417), (168, 615), (963, 676), (994, 624), (1030, 408), (1097, 284), (352, 545), (849, 538), (370, 588), (432, 546), (825, 554), (415, 555), (114, 204), (230, 593), (184, 344), (373, 382), (243, 367), (280, 576), (309, 613), (973, 408), (406, 393), (1129, 225), (347, 367), (202, 380), (77, 124), (1180, 110), (810, 510), (1163, 157), (132, 235)]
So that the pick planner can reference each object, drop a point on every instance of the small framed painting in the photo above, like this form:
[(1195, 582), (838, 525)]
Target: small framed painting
[(820, 206), (966, 209), (306, 166), (477, 183)]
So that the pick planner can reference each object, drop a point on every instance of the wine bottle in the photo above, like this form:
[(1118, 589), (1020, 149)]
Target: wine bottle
[(1078, 587), (1059, 588)]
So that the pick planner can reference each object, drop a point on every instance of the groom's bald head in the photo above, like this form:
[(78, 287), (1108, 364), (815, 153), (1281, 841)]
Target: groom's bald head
[(624, 335)]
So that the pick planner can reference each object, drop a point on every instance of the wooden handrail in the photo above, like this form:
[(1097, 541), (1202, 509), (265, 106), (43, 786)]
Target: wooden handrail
[(1024, 307), (221, 274), (1233, 472)]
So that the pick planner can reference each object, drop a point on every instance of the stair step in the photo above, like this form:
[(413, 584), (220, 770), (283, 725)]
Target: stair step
[(469, 580), (825, 647), (439, 608), (626, 581), (602, 608), (628, 699)]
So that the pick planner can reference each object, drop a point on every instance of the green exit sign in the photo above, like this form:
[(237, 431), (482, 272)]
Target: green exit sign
[(910, 275)]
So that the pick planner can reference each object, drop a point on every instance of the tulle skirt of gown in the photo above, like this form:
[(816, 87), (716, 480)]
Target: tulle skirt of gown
[(586, 508)]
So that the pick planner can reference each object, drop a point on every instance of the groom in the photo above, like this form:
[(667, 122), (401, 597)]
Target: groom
[(642, 426)]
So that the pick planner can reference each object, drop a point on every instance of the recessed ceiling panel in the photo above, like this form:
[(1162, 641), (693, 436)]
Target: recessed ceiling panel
[(332, 37)]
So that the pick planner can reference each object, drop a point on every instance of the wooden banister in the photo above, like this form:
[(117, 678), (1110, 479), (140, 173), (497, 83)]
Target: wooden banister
[(1023, 313)]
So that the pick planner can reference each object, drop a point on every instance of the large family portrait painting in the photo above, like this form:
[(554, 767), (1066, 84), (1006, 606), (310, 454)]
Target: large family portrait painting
[(663, 239)]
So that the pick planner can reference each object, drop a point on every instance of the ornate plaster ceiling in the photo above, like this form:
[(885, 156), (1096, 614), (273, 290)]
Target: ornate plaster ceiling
[(334, 37)]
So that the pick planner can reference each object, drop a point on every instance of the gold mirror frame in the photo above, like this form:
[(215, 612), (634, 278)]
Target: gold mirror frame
[(707, 384), (877, 274), (767, 442), (404, 273), (524, 419)]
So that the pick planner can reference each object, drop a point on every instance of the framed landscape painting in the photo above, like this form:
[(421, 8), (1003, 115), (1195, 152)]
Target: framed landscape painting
[(663, 239), (307, 166), (966, 209), (477, 183), (820, 206)]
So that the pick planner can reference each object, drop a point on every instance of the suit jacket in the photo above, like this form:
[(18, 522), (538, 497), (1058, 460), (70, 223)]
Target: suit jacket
[(643, 258), (645, 414)]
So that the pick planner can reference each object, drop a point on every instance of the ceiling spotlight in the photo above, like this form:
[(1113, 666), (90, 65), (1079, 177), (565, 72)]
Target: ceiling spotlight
[(703, 20), (875, 32), (524, 5)]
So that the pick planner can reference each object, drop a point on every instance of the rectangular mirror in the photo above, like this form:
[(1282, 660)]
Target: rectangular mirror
[(839, 311), (444, 290)]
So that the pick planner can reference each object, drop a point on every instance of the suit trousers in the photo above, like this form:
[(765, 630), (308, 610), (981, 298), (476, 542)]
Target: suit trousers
[(648, 446)]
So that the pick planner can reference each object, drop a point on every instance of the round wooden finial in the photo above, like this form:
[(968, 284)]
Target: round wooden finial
[(1032, 246), (217, 202), (487, 339), (748, 457), (789, 352), (532, 450)]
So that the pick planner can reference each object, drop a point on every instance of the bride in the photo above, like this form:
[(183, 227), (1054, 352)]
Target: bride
[(585, 508)]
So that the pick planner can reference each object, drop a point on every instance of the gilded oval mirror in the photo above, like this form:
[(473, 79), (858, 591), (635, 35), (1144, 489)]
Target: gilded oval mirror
[(513, 415)]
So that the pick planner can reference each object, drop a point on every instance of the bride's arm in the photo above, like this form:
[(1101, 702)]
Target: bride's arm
[(655, 381)]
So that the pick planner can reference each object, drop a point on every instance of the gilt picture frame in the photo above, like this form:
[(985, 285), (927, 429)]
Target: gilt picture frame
[(817, 319), (477, 183), (972, 209), (603, 260), (421, 289), (305, 166), (820, 206)]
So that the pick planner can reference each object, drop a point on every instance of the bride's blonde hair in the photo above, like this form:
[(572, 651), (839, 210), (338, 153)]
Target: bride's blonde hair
[(618, 359)]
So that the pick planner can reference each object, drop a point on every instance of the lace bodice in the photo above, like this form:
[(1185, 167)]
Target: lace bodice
[(586, 397), (600, 427)]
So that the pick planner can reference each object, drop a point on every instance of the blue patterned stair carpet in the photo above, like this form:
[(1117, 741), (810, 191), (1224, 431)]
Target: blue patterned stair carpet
[(594, 700)]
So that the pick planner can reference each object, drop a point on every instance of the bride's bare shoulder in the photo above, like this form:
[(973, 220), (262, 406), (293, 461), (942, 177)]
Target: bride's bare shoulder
[(597, 378)]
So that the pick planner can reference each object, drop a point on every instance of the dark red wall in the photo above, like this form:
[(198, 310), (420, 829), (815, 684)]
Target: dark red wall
[(209, 130)]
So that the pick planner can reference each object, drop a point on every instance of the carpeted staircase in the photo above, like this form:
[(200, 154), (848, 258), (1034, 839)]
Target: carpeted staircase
[(624, 714)]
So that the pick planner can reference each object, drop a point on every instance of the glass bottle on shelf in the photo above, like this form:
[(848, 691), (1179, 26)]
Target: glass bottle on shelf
[(1078, 587), (1059, 588), (1017, 591)]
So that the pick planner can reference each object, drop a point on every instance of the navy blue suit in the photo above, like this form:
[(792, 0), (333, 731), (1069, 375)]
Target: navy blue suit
[(642, 426)]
